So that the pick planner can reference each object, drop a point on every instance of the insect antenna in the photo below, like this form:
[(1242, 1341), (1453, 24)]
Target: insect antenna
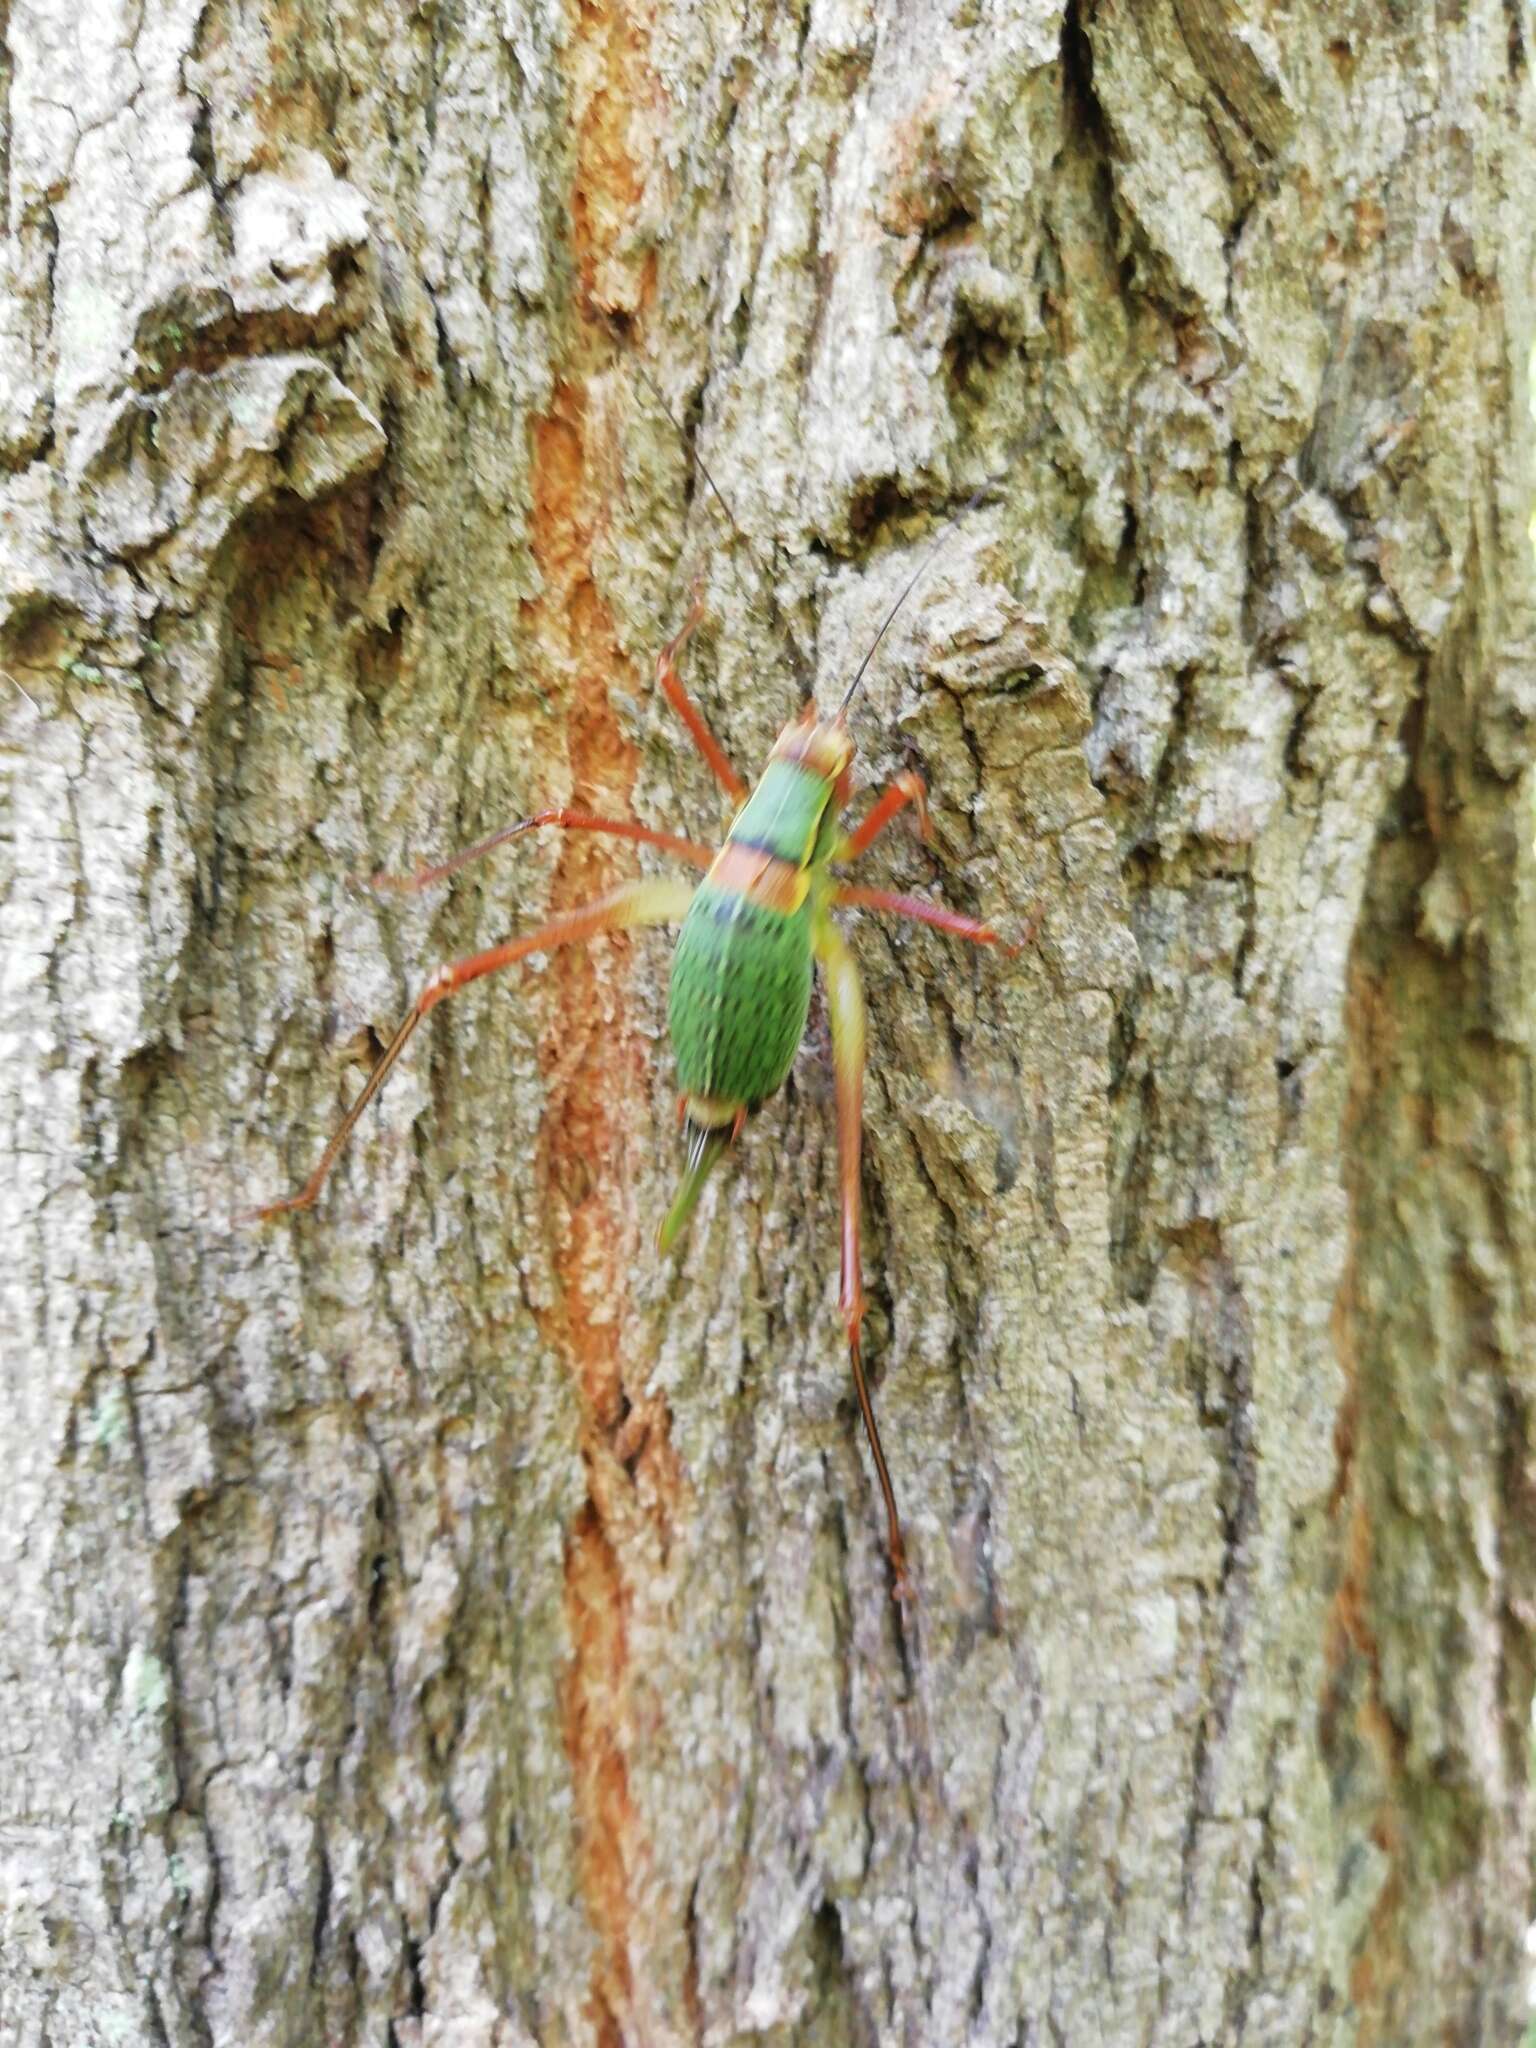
[(765, 576), (912, 582)]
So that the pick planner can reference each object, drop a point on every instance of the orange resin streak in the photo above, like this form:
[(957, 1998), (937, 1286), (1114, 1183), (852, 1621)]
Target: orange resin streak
[(594, 1065), (597, 1061)]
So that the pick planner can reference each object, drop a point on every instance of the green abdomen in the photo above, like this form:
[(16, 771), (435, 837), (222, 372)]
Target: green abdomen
[(741, 988)]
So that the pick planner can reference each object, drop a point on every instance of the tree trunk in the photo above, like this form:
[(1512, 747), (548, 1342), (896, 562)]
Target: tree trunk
[(433, 1620)]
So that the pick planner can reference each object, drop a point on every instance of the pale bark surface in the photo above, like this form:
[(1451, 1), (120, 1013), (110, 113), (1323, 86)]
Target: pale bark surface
[(432, 1621)]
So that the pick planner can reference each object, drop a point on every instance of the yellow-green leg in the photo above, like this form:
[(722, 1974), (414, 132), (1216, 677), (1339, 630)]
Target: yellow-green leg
[(845, 1004), (637, 903)]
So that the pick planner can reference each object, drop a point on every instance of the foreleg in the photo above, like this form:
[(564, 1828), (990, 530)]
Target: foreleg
[(906, 789), (672, 688)]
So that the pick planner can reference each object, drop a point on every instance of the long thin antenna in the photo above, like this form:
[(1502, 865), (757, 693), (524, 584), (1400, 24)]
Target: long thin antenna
[(763, 570), (677, 427), (916, 577)]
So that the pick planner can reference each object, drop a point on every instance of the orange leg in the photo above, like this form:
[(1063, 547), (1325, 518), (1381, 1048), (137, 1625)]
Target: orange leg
[(672, 687), (845, 1005), (568, 821), (906, 789), (924, 913), (637, 903)]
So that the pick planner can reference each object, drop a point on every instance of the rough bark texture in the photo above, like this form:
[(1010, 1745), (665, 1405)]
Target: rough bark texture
[(433, 1622)]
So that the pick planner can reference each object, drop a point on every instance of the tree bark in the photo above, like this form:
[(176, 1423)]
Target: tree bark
[(431, 1620)]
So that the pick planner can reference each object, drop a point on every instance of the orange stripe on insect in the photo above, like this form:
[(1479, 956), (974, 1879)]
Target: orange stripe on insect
[(770, 883)]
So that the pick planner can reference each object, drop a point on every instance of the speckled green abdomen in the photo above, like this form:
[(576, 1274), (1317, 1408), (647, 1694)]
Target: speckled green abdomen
[(741, 989)]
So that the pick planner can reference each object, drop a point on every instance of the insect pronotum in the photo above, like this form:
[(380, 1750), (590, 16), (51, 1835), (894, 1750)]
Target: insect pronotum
[(751, 932)]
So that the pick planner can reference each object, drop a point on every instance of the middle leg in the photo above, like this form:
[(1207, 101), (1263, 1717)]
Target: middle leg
[(568, 821), (922, 912)]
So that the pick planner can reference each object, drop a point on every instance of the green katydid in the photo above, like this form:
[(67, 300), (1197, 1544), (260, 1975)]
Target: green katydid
[(751, 932)]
